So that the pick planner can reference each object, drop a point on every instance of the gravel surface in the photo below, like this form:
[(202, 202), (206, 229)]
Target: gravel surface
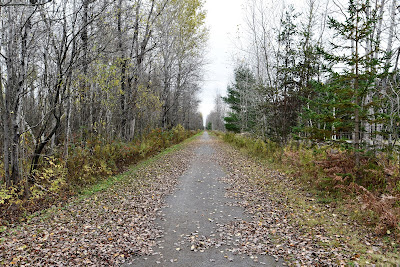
[(206, 204), (104, 229), (195, 217)]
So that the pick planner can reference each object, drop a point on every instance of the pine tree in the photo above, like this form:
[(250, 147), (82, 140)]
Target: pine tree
[(352, 71), (241, 101)]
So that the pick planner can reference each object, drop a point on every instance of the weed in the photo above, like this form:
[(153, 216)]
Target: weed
[(84, 170), (332, 170)]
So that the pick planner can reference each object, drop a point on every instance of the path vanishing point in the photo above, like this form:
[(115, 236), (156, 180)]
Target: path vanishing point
[(195, 209)]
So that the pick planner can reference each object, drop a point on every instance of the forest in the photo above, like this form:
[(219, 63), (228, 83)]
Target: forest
[(104, 159), (318, 90), (329, 72), (90, 86)]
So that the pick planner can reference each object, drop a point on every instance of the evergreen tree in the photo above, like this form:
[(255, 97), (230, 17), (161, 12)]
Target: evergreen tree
[(241, 100), (352, 71), (289, 77)]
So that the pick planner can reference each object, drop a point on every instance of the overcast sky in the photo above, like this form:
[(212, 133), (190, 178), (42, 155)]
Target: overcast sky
[(223, 18)]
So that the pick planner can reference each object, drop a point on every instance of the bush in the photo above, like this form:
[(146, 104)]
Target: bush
[(331, 169), (51, 178), (7, 194), (87, 163), (179, 133)]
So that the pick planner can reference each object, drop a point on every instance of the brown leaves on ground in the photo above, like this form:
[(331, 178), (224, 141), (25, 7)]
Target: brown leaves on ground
[(109, 227), (384, 206), (103, 229), (379, 176), (288, 222)]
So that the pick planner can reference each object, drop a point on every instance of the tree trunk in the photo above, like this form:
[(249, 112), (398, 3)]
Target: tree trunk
[(357, 101), (12, 95), (123, 65)]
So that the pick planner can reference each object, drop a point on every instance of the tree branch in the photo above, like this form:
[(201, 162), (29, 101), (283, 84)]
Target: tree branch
[(31, 3)]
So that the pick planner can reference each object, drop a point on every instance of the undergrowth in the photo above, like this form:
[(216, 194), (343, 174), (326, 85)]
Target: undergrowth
[(111, 180), (332, 173), (88, 163)]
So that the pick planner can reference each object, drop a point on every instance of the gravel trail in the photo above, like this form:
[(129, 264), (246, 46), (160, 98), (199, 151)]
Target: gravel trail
[(106, 228), (194, 217)]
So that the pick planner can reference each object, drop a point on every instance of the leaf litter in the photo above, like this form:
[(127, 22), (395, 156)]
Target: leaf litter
[(287, 222), (117, 224), (106, 228)]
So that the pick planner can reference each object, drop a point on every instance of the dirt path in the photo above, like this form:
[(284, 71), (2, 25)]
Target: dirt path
[(168, 211), (105, 228), (193, 219), (181, 209)]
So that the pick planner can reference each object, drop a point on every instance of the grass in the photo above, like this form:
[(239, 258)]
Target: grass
[(340, 215), (103, 185), (109, 182), (349, 234)]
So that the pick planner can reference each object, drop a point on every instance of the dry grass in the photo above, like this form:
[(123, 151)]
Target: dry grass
[(321, 219), (366, 198)]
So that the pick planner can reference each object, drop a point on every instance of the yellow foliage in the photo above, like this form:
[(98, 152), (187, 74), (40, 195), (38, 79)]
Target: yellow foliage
[(51, 178), (179, 133), (145, 98), (7, 194), (86, 165)]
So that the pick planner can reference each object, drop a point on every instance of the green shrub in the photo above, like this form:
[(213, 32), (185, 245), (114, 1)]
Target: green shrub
[(259, 148)]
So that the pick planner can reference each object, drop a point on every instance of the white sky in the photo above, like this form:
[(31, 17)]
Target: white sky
[(223, 18)]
